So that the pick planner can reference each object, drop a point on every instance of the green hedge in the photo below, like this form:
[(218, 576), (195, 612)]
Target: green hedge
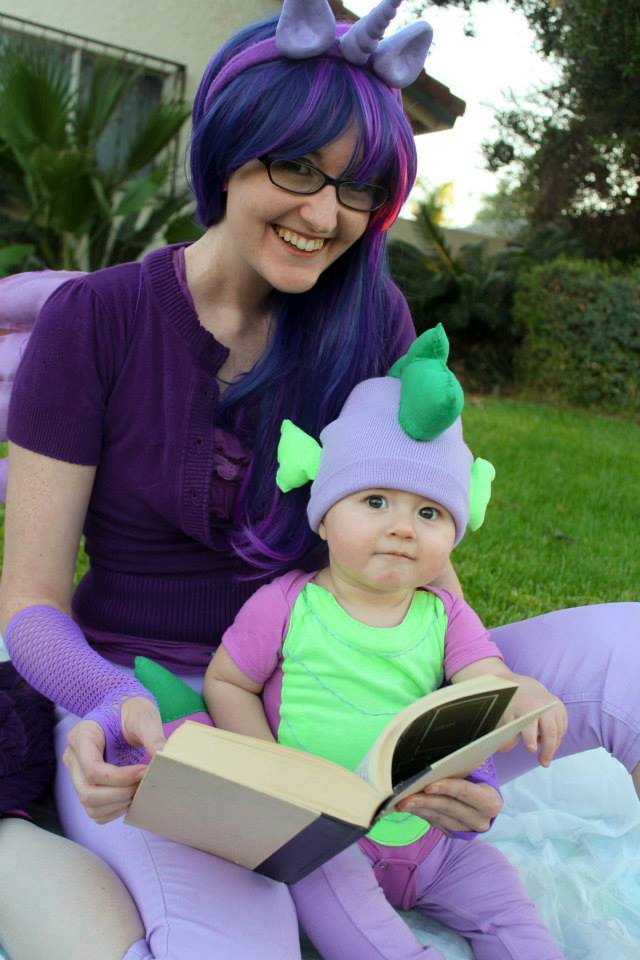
[(581, 323)]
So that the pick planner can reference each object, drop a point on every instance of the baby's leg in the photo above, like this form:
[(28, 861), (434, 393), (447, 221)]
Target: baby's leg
[(56, 897), (346, 914), (590, 658), (471, 888), (192, 904)]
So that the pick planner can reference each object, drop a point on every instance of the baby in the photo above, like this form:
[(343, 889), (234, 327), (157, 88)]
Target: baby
[(321, 661)]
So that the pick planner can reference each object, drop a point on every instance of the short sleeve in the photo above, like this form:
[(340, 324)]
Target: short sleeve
[(467, 639), (63, 382), (254, 639)]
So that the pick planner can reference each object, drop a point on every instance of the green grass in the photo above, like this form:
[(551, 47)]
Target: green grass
[(563, 527)]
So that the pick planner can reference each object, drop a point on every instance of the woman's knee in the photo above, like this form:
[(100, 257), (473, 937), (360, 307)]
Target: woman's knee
[(56, 898)]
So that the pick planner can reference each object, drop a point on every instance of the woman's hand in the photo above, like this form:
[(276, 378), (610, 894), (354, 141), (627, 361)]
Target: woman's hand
[(105, 790), (543, 736), (455, 804)]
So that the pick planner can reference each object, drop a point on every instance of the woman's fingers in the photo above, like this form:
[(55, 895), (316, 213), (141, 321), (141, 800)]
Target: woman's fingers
[(104, 790), (456, 804)]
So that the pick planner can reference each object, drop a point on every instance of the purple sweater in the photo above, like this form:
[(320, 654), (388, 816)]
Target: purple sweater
[(119, 374)]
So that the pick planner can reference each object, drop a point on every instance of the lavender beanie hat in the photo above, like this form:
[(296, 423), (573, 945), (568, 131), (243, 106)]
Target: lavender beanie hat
[(366, 447), (399, 432)]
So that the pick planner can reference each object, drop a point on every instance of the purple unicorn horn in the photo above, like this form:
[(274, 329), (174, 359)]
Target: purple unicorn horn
[(306, 28), (399, 59), (362, 39)]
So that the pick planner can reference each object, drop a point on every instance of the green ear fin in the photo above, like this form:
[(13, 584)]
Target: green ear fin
[(174, 697), (298, 457), (482, 475)]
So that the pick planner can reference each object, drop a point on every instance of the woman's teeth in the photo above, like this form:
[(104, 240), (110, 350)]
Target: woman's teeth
[(302, 243)]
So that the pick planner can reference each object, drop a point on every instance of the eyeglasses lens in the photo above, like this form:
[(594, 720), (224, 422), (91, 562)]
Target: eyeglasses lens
[(300, 177)]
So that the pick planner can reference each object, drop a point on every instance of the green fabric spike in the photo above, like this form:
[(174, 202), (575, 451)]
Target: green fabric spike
[(433, 344), (298, 457), (482, 474), (430, 399), (174, 697)]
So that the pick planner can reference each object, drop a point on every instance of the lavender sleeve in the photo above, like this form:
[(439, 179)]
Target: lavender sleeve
[(467, 639), (254, 639)]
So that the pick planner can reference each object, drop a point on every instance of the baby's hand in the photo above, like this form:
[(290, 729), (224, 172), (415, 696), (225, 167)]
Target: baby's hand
[(544, 734)]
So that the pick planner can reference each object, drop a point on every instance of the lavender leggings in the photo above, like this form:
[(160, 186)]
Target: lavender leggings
[(193, 905)]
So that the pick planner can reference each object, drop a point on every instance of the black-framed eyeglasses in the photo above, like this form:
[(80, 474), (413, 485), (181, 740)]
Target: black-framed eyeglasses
[(300, 176)]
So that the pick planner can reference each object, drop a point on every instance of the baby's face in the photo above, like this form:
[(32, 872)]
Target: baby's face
[(388, 540)]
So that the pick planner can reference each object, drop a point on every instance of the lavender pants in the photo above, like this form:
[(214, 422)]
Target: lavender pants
[(346, 905), (193, 905)]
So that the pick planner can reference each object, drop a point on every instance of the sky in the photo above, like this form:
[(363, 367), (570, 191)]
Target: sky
[(482, 70)]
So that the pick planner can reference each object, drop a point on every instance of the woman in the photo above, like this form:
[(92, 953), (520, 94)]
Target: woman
[(146, 413)]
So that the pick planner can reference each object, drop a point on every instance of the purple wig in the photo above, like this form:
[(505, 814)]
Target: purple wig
[(344, 329)]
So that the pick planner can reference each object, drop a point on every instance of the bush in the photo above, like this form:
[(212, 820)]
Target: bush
[(582, 334)]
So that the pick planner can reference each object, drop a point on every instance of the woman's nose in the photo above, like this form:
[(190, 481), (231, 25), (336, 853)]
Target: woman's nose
[(320, 210)]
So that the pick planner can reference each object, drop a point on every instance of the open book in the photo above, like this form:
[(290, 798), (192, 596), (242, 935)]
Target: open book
[(283, 812)]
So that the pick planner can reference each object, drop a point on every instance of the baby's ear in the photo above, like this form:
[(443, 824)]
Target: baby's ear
[(322, 531)]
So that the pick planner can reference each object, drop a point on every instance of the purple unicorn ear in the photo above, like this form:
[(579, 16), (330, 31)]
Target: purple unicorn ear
[(306, 28), (399, 59), (362, 39)]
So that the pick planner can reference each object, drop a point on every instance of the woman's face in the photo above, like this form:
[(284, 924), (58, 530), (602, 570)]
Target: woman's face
[(287, 240)]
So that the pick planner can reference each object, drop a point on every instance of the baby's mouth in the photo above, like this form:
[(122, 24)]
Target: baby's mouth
[(306, 244)]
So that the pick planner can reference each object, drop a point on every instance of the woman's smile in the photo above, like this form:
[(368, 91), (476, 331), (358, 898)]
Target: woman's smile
[(300, 242)]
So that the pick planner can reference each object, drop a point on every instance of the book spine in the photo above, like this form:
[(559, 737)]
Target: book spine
[(309, 849)]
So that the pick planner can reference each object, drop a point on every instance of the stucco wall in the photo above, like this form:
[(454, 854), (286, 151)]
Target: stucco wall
[(188, 32)]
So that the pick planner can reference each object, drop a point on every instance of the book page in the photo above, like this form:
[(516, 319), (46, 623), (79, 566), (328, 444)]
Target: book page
[(463, 761), (433, 726)]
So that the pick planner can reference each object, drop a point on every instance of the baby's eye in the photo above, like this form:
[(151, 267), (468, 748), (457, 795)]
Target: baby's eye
[(429, 513), (376, 501)]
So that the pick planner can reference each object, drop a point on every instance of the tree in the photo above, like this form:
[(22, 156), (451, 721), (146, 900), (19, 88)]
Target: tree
[(576, 149), (57, 201)]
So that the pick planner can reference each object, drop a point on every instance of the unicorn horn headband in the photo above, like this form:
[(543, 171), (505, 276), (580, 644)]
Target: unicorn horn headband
[(307, 28)]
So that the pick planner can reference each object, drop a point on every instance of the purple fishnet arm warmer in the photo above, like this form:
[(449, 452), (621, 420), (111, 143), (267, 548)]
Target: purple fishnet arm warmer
[(52, 654)]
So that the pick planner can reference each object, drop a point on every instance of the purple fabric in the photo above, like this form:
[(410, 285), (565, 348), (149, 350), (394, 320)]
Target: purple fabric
[(119, 373), (366, 447), (21, 296), (254, 640), (51, 653), (27, 760), (602, 703), (589, 657), (469, 887), (192, 905)]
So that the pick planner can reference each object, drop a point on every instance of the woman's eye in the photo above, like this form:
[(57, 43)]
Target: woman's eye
[(376, 502), (429, 513), (297, 168)]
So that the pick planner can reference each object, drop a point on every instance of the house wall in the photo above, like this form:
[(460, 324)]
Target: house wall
[(187, 32), (455, 237)]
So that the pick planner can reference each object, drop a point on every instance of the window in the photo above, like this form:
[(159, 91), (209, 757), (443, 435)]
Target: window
[(155, 78)]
